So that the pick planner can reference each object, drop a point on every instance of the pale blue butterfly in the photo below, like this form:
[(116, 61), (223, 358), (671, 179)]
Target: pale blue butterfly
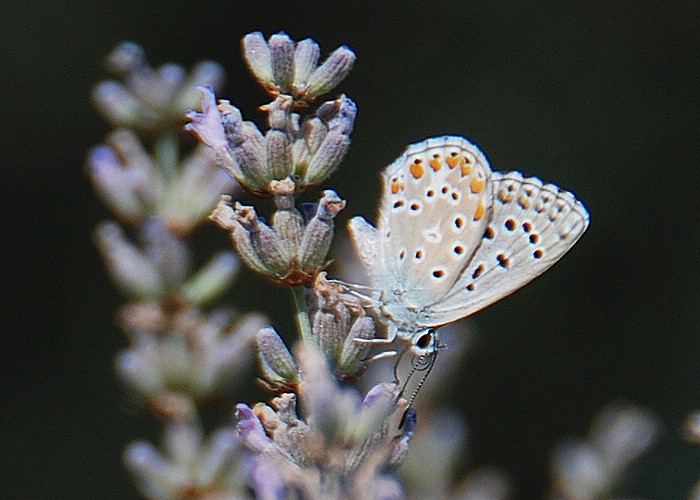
[(454, 237)]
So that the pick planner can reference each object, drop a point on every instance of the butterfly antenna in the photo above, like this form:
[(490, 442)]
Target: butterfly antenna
[(425, 364)]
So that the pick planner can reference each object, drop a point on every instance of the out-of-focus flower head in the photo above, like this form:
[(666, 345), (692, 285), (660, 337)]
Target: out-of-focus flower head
[(343, 445), (136, 185), (187, 353), (189, 465), (150, 99)]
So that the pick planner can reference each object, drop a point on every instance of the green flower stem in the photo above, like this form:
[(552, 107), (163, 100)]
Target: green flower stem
[(301, 316)]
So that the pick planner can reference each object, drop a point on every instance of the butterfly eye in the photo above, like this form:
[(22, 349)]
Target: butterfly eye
[(424, 341)]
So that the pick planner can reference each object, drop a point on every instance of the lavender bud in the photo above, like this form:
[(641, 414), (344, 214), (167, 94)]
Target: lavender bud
[(305, 61), (315, 131), (327, 158), (223, 214), (352, 359), (211, 280), (276, 363), (266, 243), (330, 333), (282, 58), (330, 73), (287, 221), (279, 115), (331, 321), (249, 150), (225, 217), (257, 56), (279, 154), (344, 118), (319, 232)]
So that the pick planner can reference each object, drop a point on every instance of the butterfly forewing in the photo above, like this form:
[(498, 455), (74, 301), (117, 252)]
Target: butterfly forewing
[(435, 207)]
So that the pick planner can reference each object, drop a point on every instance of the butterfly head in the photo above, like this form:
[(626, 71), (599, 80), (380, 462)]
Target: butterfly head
[(424, 342)]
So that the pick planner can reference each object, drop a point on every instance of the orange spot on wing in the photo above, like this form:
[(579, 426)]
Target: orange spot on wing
[(435, 164), (416, 170), (477, 185), (479, 212), (394, 187), (452, 161), (504, 196), (523, 201), (464, 166)]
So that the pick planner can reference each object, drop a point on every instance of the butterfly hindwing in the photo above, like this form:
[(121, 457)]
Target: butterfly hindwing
[(532, 226)]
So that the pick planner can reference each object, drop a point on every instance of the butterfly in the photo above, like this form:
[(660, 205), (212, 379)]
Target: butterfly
[(454, 237)]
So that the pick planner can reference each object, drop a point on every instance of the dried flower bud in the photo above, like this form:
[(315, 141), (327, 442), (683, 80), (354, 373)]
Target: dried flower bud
[(276, 363), (319, 232), (282, 59), (333, 71), (353, 357), (287, 221), (257, 56), (331, 322), (315, 131), (267, 244), (279, 154), (334, 144), (305, 60)]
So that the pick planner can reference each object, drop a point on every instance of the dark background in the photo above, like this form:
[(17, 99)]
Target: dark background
[(600, 98)]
